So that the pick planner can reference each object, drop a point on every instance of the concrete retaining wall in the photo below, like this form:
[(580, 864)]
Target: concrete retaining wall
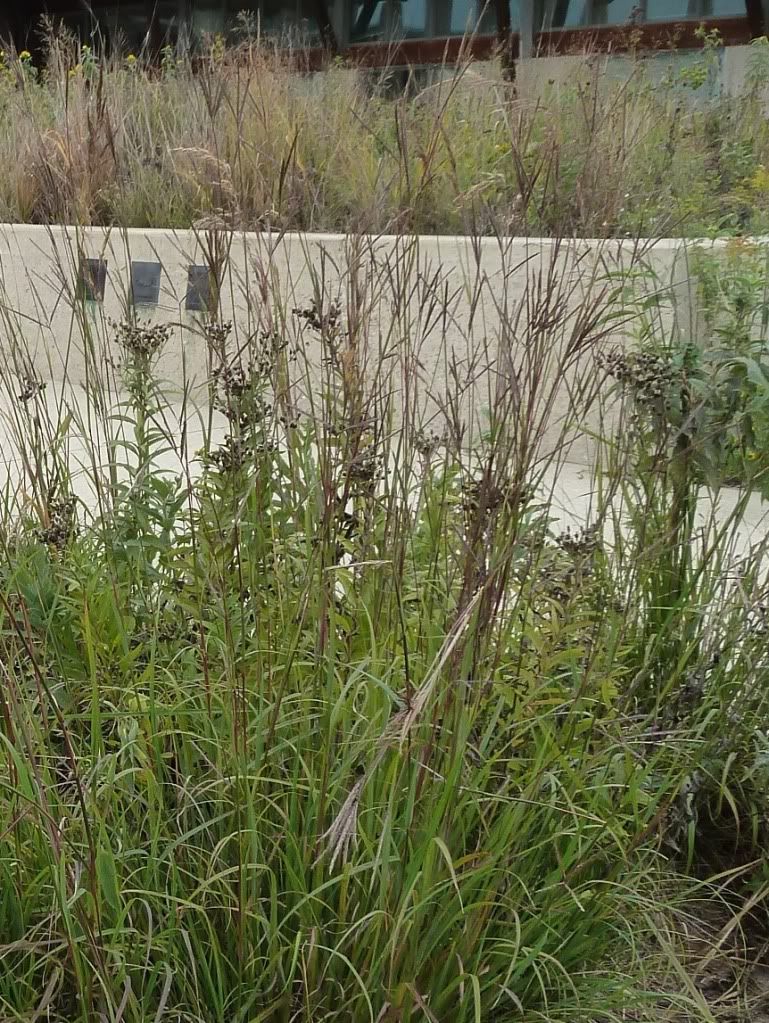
[(441, 317), (731, 71)]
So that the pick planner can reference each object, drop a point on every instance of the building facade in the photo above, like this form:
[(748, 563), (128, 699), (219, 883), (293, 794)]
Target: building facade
[(399, 31)]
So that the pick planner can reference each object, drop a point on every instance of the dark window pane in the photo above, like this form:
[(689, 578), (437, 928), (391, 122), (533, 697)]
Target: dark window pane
[(288, 18), (671, 10), (125, 25), (207, 19), (727, 8), (419, 19), (586, 13), (92, 278), (614, 12), (468, 16), (413, 18), (198, 297), (368, 19)]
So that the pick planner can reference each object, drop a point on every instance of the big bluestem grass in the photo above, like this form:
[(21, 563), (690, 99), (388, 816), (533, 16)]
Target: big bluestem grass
[(320, 713)]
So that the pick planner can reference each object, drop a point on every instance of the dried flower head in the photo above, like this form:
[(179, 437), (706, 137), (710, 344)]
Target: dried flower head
[(323, 321), (492, 497), (579, 542), (61, 523), (31, 387), (650, 377), (239, 395), (141, 341), (217, 335), (427, 443), (365, 469), (235, 453), (341, 835)]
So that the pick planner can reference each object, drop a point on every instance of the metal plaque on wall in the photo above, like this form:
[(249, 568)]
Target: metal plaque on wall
[(145, 282), (198, 289), (92, 279)]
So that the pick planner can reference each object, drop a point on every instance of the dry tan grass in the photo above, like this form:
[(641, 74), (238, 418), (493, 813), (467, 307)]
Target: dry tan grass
[(245, 134)]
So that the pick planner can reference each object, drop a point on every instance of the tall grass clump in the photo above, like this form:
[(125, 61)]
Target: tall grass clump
[(319, 712), (249, 132)]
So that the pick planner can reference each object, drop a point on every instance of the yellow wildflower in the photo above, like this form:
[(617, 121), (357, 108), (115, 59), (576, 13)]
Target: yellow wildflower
[(759, 181)]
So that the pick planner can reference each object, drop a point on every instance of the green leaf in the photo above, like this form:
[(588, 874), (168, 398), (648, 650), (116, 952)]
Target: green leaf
[(106, 874)]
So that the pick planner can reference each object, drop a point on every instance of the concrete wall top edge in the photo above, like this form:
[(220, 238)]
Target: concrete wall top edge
[(321, 238)]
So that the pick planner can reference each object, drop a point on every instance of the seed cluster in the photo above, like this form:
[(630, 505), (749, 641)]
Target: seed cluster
[(684, 810), (684, 702), (427, 443), (217, 334), (326, 321), (649, 376), (233, 381), (141, 341), (562, 573), (239, 396), (235, 452), (365, 469), (579, 543), (61, 523), (31, 387), (240, 391), (560, 584), (493, 497)]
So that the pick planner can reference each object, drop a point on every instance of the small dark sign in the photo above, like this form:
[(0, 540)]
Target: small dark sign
[(198, 289), (145, 282), (92, 278)]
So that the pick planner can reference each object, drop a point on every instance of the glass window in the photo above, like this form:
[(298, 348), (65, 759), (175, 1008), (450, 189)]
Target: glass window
[(76, 21), (728, 8), (423, 19), (389, 19), (584, 13), (124, 26), (287, 19), (411, 19), (559, 13), (368, 19), (207, 20), (472, 16), (670, 10), (614, 12)]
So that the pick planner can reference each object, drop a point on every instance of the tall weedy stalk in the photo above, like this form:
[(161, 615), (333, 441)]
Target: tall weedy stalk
[(335, 718), (111, 138)]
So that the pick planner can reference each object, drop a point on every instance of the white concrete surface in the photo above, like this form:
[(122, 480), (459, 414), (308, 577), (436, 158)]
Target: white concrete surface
[(733, 71), (440, 316), (91, 446), (433, 316)]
